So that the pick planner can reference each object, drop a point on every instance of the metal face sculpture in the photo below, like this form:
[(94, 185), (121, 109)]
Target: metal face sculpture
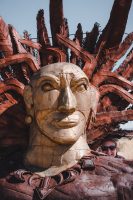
[(60, 100)]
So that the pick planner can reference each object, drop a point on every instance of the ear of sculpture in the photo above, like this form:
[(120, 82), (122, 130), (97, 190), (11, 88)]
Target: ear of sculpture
[(94, 104), (29, 104)]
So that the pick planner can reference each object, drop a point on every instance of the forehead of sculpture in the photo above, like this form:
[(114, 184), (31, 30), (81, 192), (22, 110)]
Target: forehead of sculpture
[(57, 69)]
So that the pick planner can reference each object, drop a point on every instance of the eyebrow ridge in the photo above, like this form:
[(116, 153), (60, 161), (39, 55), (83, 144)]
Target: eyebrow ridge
[(49, 77), (77, 80)]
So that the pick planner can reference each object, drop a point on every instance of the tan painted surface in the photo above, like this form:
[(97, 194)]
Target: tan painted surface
[(125, 147)]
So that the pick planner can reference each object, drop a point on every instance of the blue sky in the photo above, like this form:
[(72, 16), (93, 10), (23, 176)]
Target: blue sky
[(22, 14)]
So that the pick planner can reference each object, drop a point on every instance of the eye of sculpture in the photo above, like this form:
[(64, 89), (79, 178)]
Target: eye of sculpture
[(80, 85), (47, 86)]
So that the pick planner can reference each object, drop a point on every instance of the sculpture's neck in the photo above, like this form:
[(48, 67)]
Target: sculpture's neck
[(53, 157)]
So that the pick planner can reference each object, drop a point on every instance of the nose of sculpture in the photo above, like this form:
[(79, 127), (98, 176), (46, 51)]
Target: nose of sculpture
[(67, 101)]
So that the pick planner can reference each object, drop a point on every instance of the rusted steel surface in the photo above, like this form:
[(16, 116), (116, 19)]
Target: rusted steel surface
[(99, 177), (114, 30), (42, 38), (19, 58), (5, 39), (56, 18)]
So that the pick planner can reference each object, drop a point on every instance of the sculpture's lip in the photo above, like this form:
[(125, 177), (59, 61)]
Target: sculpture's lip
[(66, 122)]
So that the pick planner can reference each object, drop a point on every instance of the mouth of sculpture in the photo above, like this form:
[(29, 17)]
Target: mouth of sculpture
[(67, 122)]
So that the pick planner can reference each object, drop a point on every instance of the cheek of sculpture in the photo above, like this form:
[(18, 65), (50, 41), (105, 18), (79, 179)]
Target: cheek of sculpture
[(45, 100), (84, 102)]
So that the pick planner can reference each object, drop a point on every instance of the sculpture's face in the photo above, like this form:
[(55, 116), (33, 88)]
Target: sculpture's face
[(62, 100)]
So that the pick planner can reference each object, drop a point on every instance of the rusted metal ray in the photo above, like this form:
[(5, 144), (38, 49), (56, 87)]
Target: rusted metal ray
[(106, 104), (42, 33), (79, 34), (19, 58), (78, 39), (91, 38), (95, 134), (115, 53), (7, 96), (88, 68), (128, 73), (73, 58), (126, 133), (56, 19), (89, 59), (64, 30), (78, 50), (111, 77), (110, 88), (42, 38), (128, 59), (110, 57), (4, 88), (14, 82), (113, 116), (56, 52), (122, 132), (6, 105), (25, 73), (11, 87), (5, 40), (32, 44), (17, 46), (126, 68), (10, 98), (81, 53), (107, 65), (123, 47), (114, 30)]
